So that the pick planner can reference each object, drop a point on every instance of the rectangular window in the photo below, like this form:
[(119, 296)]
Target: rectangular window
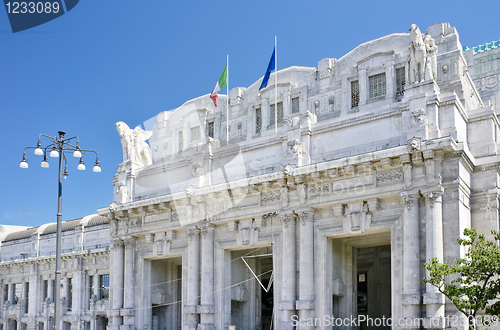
[(104, 290), (45, 289), (377, 85), (195, 134), (26, 296), (295, 105), (272, 114), (91, 286), (70, 293), (258, 120), (181, 141), (400, 81), (211, 129), (5, 292), (354, 94)]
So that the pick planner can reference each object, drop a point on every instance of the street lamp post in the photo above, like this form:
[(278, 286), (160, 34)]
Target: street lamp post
[(58, 146), (271, 215)]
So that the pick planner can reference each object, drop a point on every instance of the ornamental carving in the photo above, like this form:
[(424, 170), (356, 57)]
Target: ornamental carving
[(271, 196), (316, 189), (390, 176), (417, 117), (414, 144), (176, 213)]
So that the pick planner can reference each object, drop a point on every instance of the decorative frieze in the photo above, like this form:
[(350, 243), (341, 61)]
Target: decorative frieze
[(271, 196), (316, 189), (390, 176)]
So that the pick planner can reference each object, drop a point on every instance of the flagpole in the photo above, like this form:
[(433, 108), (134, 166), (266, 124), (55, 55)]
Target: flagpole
[(275, 84), (227, 102)]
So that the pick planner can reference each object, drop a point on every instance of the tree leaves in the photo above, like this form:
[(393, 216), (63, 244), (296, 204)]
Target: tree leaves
[(474, 281)]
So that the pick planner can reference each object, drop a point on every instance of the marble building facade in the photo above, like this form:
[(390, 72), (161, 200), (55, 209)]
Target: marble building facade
[(377, 162)]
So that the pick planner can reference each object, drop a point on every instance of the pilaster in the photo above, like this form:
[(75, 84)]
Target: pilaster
[(206, 308), (117, 284), (305, 304), (193, 279), (432, 299), (129, 282), (289, 259), (411, 297)]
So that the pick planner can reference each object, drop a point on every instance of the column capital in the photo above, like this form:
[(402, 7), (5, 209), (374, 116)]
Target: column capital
[(288, 218), (207, 228), (306, 216), (193, 232), (116, 243), (409, 198), (129, 241)]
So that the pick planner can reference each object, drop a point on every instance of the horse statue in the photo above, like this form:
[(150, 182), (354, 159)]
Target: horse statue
[(135, 147), (418, 55)]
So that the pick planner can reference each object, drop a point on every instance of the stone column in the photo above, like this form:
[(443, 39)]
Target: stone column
[(206, 308), (305, 304), (288, 294), (411, 257), (117, 282), (193, 279), (50, 289), (129, 279), (434, 300), (97, 286), (32, 295), (10, 293)]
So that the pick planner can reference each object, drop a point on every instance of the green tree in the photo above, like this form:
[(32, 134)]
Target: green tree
[(473, 283)]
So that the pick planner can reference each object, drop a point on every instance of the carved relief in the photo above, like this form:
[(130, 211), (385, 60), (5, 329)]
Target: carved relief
[(418, 117), (390, 176), (196, 170), (214, 209), (316, 189), (271, 196), (414, 144)]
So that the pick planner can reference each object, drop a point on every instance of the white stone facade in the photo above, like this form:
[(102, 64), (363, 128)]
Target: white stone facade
[(27, 273), (371, 176)]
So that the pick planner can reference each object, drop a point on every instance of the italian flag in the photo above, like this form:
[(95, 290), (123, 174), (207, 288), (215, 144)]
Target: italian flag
[(220, 85)]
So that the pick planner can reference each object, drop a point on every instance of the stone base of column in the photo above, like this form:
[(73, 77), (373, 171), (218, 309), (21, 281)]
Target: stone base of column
[(192, 317), (206, 326), (287, 309)]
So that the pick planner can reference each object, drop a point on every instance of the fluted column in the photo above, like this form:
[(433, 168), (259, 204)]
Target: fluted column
[(289, 275), (305, 304), (433, 299), (206, 309), (411, 257), (128, 287), (193, 279), (117, 282)]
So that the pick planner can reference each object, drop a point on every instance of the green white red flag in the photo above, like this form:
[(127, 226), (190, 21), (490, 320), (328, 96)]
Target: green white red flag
[(221, 83)]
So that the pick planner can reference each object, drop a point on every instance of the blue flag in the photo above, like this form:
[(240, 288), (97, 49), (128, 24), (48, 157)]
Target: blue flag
[(270, 68)]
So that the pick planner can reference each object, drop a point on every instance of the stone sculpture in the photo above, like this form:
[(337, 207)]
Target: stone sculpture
[(135, 147), (418, 55), (431, 61)]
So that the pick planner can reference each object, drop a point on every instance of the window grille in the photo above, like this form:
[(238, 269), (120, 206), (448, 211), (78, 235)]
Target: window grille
[(400, 81), (181, 141), (104, 290), (377, 85), (272, 115), (258, 120), (195, 133), (354, 94), (211, 129), (295, 105)]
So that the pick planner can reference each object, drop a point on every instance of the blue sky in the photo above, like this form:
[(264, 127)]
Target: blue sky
[(115, 60)]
